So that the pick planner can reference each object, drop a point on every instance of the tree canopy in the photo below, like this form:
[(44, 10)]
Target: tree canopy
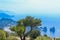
[(20, 28)]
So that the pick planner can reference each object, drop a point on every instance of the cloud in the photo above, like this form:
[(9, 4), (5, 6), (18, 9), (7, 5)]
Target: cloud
[(7, 29)]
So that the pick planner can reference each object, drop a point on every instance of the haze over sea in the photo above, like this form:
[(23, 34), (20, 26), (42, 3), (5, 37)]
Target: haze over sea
[(47, 10)]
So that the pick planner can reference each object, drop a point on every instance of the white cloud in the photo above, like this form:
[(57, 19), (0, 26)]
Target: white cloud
[(7, 29)]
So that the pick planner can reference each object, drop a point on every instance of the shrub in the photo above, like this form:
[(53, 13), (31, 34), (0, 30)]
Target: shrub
[(45, 35), (34, 34), (2, 35)]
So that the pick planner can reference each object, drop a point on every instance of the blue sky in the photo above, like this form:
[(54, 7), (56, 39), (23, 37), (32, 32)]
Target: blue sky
[(47, 10), (37, 6)]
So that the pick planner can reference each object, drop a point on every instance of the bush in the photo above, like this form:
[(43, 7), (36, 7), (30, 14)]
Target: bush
[(45, 35), (34, 34), (2, 35)]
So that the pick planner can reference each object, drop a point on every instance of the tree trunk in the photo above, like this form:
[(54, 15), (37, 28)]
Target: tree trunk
[(53, 38), (24, 35), (24, 38), (21, 37)]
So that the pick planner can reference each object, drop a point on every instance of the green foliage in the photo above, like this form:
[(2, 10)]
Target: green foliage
[(2, 35), (34, 34), (12, 28), (45, 35), (11, 38), (30, 21), (18, 30)]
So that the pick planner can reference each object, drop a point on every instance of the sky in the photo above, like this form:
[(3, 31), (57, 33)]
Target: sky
[(47, 10)]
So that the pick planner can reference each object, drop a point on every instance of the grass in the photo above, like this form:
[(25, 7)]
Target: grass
[(57, 38), (45, 38), (42, 38), (11, 38)]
